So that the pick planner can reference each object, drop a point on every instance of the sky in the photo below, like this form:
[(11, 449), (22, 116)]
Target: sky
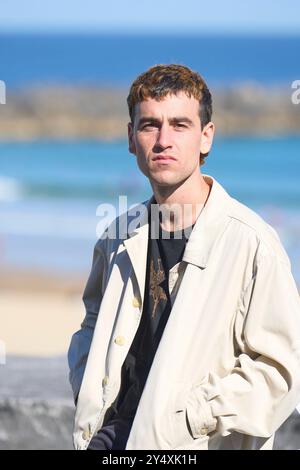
[(163, 16)]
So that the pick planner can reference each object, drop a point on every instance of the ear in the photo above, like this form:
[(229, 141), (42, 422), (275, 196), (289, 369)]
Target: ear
[(207, 136), (131, 143)]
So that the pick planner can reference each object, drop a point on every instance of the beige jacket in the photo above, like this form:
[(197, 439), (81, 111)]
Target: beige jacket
[(229, 357)]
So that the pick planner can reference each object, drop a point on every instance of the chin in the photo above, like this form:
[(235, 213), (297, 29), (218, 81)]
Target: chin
[(165, 182)]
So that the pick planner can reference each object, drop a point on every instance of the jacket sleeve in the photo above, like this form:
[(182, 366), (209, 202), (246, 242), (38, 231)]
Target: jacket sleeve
[(81, 340), (264, 387)]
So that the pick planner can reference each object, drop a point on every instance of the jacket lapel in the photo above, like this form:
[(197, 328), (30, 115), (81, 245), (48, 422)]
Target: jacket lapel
[(209, 226), (137, 244)]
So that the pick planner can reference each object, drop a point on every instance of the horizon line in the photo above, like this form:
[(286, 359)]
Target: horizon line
[(192, 32)]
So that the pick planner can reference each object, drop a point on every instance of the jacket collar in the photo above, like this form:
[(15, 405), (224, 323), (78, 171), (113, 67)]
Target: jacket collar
[(208, 227)]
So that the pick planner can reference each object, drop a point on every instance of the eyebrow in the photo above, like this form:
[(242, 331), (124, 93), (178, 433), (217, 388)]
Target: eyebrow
[(172, 120)]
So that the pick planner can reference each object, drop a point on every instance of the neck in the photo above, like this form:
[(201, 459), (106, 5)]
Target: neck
[(181, 206)]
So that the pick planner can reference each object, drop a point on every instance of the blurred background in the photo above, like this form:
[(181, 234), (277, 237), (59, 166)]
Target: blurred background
[(67, 67)]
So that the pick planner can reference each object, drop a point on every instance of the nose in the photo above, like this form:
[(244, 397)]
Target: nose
[(164, 136)]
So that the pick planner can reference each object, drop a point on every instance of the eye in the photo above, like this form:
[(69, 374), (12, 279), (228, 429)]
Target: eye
[(149, 126), (180, 125)]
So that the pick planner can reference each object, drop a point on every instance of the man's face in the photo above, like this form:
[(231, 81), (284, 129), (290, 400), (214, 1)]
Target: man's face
[(169, 128)]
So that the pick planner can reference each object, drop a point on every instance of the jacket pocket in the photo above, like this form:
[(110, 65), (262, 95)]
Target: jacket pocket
[(182, 437)]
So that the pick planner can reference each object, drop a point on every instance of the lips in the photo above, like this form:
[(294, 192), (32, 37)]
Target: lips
[(164, 158)]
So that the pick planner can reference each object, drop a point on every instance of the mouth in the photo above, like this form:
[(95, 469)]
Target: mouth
[(164, 159)]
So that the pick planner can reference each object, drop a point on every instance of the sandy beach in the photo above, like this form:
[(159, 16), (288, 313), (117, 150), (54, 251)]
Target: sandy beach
[(39, 312)]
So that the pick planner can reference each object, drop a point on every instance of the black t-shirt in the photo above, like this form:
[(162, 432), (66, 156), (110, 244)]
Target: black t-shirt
[(163, 253)]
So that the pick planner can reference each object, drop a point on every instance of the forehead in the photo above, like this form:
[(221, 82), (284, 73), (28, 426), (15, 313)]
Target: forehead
[(170, 106)]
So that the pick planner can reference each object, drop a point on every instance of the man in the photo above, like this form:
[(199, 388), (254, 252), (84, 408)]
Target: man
[(192, 340)]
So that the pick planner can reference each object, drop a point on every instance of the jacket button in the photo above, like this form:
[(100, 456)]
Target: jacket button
[(120, 340), (105, 380), (203, 431), (86, 434), (136, 302)]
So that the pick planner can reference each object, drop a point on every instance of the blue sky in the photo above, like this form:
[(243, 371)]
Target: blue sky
[(194, 16)]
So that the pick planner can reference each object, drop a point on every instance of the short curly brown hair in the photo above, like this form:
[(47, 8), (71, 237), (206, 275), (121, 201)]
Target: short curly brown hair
[(163, 79)]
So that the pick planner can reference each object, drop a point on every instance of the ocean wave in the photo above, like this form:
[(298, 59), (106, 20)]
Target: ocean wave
[(63, 226), (10, 189)]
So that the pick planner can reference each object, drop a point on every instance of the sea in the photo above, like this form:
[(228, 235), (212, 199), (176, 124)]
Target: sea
[(53, 194), (116, 59), (50, 191)]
